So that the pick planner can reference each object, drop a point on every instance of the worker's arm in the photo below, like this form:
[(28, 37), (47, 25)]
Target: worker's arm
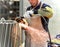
[(21, 20), (36, 34), (47, 12)]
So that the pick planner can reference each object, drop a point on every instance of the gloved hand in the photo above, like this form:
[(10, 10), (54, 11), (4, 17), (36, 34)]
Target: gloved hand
[(47, 12), (28, 14)]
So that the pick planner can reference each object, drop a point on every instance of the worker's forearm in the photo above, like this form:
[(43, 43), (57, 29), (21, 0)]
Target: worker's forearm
[(47, 14), (36, 33)]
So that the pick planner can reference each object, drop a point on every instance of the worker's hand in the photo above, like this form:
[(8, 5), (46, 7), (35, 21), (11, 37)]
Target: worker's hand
[(21, 20), (35, 34), (28, 14), (25, 21)]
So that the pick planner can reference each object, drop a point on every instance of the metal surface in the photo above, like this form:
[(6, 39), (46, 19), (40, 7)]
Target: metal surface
[(21, 8), (9, 34)]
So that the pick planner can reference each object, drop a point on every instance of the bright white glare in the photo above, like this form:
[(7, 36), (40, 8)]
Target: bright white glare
[(11, 2), (10, 11)]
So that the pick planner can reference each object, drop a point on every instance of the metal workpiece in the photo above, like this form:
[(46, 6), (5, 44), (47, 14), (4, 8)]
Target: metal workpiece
[(9, 33)]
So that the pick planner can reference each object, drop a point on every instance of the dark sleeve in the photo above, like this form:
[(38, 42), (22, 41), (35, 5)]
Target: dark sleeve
[(44, 5), (35, 11), (45, 22), (28, 8)]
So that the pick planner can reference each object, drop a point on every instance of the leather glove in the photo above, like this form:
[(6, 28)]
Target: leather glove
[(47, 12)]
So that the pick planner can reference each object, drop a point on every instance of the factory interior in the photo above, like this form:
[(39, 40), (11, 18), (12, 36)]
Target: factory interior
[(11, 20)]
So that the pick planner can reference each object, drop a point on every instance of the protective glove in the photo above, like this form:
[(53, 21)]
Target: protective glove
[(47, 12), (28, 14)]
